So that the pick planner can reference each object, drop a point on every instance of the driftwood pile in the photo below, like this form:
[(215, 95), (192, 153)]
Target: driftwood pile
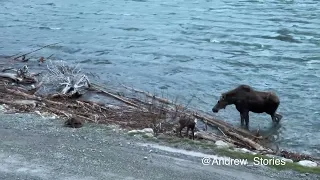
[(59, 90)]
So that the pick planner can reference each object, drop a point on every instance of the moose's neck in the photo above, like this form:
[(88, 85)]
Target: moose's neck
[(232, 101)]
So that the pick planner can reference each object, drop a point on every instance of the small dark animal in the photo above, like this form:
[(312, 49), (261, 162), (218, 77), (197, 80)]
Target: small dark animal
[(246, 99), (294, 156), (73, 123), (189, 122)]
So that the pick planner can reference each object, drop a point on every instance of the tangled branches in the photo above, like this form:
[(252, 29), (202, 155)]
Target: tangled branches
[(61, 78)]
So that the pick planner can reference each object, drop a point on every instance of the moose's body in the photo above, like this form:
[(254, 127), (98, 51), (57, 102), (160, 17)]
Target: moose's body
[(185, 121), (246, 99)]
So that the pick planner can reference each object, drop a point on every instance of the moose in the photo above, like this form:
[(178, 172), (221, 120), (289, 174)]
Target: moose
[(247, 99), (189, 122)]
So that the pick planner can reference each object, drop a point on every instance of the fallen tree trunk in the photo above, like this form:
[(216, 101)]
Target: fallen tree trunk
[(57, 111), (214, 138), (226, 129), (20, 93), (21, 75), (33, 97), (11, 76), (20, 102), (209, 136), (114, 96), (253, 144), (224, 125), (149, 95)]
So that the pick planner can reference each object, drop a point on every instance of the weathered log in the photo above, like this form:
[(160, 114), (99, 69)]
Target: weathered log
[(228, 131), (90, 119), (214, 137), (19, 93), (36, 88), (8, 68), (224, 125), (114, 96), (53, 102), (11, 76), (34, 50), (33, 97), (21, 75), (149, 95), (209, 136), (253, 144), (57, 111), (20, 102)]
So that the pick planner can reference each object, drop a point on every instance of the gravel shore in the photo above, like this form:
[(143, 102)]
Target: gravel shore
[(34, 148)]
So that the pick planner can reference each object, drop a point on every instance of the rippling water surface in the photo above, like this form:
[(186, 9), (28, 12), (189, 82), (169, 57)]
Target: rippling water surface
[(187, 47)]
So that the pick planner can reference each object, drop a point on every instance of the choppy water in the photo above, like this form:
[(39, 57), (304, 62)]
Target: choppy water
[(187, 47)]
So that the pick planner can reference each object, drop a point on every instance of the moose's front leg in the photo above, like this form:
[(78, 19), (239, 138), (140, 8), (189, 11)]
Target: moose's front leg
[(179, 129), (241, 110), (187, 133), (242, 119), (246, 118)]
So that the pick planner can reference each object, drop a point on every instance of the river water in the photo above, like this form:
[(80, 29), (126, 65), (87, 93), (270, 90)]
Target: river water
[(186, 48)]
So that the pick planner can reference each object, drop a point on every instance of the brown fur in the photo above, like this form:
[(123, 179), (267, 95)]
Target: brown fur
[(246, 99), (73, 123), (185, 121), (294, 156)]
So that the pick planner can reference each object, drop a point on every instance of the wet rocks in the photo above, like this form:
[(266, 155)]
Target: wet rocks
[(244, 150), (148, 132), (286, 160), (222, 144), (3, 108), (307, 163)]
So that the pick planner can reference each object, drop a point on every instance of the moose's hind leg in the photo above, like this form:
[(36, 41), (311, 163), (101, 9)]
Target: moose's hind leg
[(192, 133)]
